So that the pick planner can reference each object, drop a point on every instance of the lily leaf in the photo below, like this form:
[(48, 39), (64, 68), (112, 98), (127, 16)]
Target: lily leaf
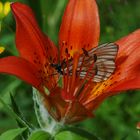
[(40, 135), (69, 135), (19, 113), (81, 132), (12, 113), (11, 85), (16, 109), (12, 134)]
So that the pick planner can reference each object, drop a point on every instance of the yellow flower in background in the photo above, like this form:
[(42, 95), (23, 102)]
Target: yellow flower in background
[(4, 9), (2, 49), (1, 7)]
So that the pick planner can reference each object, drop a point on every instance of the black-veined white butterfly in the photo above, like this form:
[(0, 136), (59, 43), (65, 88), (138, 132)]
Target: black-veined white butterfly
[(103, 58)]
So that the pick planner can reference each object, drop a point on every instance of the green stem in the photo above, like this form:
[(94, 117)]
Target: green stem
[(36, 108)]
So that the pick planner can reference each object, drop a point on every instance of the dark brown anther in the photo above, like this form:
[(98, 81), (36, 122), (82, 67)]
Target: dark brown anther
[(95, 57), (66, 50), (85, 52), (96, 70)]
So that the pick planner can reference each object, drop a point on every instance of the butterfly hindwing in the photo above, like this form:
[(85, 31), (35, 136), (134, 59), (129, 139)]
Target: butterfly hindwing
[(105, 63)]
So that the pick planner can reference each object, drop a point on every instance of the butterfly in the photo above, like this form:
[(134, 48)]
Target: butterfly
[(103, 58)]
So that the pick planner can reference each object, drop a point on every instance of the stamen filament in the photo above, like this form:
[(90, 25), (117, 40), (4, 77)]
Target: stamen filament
[(74, 72), (82, 96), (81, 65), (83, 82)]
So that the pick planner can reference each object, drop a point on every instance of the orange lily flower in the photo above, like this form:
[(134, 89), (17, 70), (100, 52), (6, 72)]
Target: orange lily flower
[(80, 28)]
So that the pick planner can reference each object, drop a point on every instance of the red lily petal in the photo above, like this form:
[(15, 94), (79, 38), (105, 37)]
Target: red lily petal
[(51, 50), (22, 69), (30, 41), (129, 77), (80, 26), (127, 73), (33, 45)]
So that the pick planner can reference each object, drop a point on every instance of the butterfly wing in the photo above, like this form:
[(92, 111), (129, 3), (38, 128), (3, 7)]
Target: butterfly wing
[(103, 58), (98, 63)]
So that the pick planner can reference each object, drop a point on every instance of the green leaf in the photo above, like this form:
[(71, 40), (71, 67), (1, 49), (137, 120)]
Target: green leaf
[(66, 135), (125, 137), (40, 135), (11, 84), (15, 107), (12, 134), (19, 113), (12, 113), (17, 110), (81, 132)]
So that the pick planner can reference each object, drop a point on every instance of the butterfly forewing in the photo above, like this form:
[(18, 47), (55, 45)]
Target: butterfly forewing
[(104, 62)]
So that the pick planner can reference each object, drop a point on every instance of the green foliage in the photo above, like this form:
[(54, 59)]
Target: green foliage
[(40, 135), (16, 110), (11, 134), (79, 131), (14, 114), (69, 136)]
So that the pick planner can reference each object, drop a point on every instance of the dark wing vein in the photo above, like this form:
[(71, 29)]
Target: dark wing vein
[(103, 58)]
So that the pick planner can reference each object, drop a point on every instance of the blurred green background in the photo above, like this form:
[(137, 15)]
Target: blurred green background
[(117, 117)]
